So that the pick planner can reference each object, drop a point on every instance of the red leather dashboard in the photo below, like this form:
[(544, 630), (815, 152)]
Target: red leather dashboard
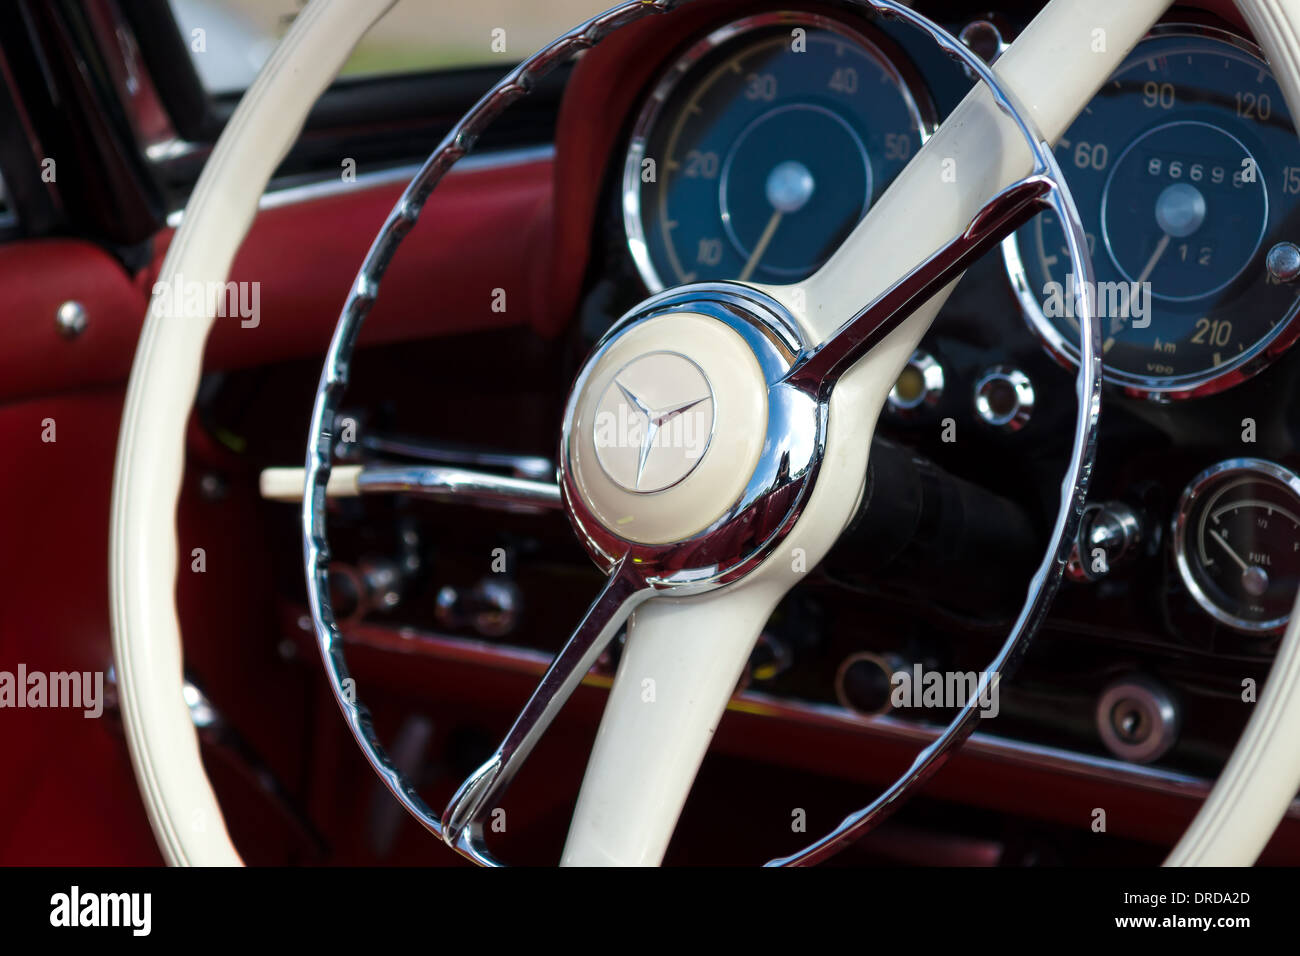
[(483, 229)]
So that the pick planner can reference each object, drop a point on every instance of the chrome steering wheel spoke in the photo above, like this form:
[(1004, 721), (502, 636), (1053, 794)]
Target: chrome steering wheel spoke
[(623, 592), (818, 369)]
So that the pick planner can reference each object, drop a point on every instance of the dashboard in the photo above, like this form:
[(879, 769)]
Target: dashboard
[(726, 140), (744, 142), (761, 141), (777, 132)]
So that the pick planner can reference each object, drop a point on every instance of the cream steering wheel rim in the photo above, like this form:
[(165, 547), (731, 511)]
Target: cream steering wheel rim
[(1252, 794)]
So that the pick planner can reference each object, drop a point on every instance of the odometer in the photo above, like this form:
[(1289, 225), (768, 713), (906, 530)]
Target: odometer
[(762, 147), (1186, 172)]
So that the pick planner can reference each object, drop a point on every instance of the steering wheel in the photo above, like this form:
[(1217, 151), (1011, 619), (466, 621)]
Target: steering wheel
[(770, 393)]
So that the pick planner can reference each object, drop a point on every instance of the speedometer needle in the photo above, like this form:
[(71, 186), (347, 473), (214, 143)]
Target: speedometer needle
[(1161, 246), (763, 241)]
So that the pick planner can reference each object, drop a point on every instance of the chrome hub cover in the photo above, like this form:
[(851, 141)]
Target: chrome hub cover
[(680, 429)]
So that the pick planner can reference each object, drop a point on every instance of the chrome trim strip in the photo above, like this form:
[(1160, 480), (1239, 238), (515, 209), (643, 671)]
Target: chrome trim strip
[(322, 189), (993, 746), (169, 150), (527, 661)]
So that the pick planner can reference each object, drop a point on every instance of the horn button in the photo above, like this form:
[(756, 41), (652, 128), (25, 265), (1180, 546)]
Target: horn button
[(666, 428)]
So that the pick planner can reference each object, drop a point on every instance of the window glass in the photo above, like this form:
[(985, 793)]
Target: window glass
[(229, 40)]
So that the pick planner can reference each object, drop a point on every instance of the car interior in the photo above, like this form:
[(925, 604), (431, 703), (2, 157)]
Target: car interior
[(690, 433)]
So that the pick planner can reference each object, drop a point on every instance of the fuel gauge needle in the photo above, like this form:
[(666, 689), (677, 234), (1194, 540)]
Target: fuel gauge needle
[(1253, 578), (1227, 547)]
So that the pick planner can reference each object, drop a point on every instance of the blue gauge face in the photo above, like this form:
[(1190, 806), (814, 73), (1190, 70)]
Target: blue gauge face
[(761, 150), (1186, 172)]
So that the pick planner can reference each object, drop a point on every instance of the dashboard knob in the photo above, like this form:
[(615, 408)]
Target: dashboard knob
[(1283, 261), (986, 38), (71, 319), (373, 584), (770, 658), (1108, 533), (919, 385), (1004, 398), (864, 682), (491, 607), (1137, 719)]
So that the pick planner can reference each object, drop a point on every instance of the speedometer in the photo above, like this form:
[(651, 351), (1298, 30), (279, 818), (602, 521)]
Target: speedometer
[(1186, 172), (763, 145)]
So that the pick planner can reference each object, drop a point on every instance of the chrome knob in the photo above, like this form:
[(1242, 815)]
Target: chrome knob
[(491, 607), (919, 385), (70, 319), (373, 584), (1108, 533), (864, 682), (986, 38), (1004, 398), (1283, 261)]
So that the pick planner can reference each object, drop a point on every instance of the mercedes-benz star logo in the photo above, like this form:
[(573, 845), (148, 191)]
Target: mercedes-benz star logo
[(654, 422)]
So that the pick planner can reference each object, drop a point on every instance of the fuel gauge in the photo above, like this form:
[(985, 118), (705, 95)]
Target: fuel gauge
[(1237, 543)]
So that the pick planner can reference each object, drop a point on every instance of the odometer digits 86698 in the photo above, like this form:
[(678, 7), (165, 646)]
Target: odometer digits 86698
[(1186, 171)]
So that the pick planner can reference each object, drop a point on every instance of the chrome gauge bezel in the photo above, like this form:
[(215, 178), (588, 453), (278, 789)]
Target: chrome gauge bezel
[(1155, 388), (917, 97), (1183, 534)]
